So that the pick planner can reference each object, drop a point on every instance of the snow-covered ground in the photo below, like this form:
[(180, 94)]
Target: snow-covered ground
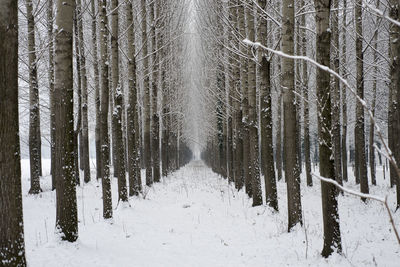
[(194, 218)]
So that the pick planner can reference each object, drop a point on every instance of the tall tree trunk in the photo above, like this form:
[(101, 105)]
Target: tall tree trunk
[(335, 88), (78, 128), (253, 116), (12, 246), (239, 171), (34, 116), (146, 99), (117, 112), (327, 166), (278, 142), (244, 86), (395, 88), (67, 213), (132, 134), (344, 94), (267, 151), (104, 106), (155, 129), (361, 166), (96, 89), (292, 173), (306, 104), (373, 105), (51, 90), (84, 156)]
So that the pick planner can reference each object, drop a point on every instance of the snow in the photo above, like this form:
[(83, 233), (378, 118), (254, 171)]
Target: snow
[(194, 218)]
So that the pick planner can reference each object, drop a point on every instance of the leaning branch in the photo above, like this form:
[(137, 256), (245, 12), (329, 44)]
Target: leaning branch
[(384, 201)]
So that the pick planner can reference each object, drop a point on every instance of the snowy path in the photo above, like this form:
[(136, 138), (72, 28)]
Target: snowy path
[(193, 218)]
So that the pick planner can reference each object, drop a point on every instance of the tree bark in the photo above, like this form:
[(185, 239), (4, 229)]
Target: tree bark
[(34, 114), (12, 246), (96, 89), (327, 166), (244, 89), (146, 99), (155, 125), (66, 212), (132, 135), (344, 94), (335, 88), (266, 125), (252, 115), (292, 173), (361, 166), (119, 168), (104, 106)]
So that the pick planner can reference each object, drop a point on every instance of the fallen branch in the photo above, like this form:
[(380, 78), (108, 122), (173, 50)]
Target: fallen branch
[(368, 196)]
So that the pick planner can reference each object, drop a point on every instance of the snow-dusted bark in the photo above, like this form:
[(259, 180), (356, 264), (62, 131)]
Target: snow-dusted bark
[(12, 246), (67, 214)]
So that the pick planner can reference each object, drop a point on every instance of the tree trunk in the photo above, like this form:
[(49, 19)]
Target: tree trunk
[(335, 88), (395, 87), (78, 128), (278, 142), (84, 156), (267, 151), (252, 115), (373, 105), (292, 173), (244, 86), (132, 106), (67, 214), (344, 95), (155, 129), (146, 99), (12, 246), (51, 90), (117, 112), (96, 89), (361, 166), (104, 106), (34, 116), (327, 166), (306, 104)]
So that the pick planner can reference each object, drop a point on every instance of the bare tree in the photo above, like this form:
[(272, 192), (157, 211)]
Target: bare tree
[(12, 246), (327, 167), (104, 106), (119, 169), (67, 214), (292, 173), (34, 115)]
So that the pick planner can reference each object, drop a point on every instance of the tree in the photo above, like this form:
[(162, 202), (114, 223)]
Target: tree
[(359, 138), (344, 98), (155, 118), (146, 99), (306, 102), (132, 109), (12, 246), (97, 89), (34, 115), (104, 106), (119, 170), (67, 214), (51, 90), (335, 88), (292, 173), (244, 104), (395, 91), (84, 140), (327, 166), (267, 151)]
